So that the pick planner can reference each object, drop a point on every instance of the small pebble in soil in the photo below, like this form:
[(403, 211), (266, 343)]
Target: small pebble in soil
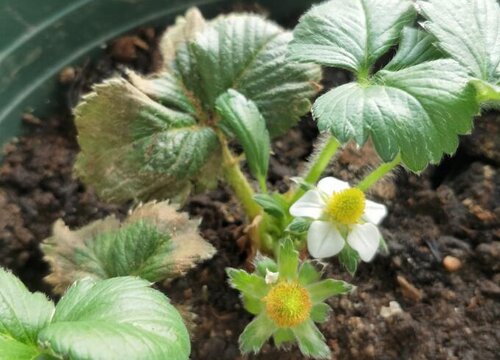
[(393, 309), (451, 263)]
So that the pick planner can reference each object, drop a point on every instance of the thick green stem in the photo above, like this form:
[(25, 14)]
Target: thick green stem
[(318, 165), (378, 173), (239, 183)]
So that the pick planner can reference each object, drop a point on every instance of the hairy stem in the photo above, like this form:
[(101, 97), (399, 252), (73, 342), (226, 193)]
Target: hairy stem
[(378, 173), (319, 162), (238, 182)]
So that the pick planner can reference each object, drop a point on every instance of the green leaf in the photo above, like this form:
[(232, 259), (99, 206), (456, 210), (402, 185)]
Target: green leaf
[(155, 137), (142, 150), (350, 34), (263, 263), (247, 53), (308, 273), (250, 285), (256, 334), (154, 242), (415, 47), (311, 341), (322, 290), (418, 111), (298, 226), (22, 314), (271, 205), (119, 318), (468, 31), (12, 349), (320, 312), (242, 118), (283, 336), (349, 258), (288, 261)]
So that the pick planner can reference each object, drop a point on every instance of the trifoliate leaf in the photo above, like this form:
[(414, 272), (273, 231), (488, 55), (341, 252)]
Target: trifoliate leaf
[(469, 31), (133, 147), (414, 108), (415, 47), (22, 316), (417, 111), (154, 242), (350, 34), (154, 137), (241, 117), (247, 53), (119, 318)]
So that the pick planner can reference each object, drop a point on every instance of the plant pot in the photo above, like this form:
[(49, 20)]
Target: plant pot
[(39, 40)]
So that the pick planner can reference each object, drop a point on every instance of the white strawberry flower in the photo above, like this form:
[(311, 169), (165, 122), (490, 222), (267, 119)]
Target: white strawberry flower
[(340, 213)]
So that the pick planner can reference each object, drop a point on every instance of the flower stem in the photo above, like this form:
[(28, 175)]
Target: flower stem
[(378, 173), (319, 163), (238, 182)]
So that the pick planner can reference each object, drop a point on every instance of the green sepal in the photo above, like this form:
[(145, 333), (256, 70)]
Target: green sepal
[(349, 259), (322, 290), (288, 261), (311, 341), (271, 204), (263, 263), (308, 273), (320, 312), (251, 304), (298, 226), (260, 329), (283, 337), (250, 285)]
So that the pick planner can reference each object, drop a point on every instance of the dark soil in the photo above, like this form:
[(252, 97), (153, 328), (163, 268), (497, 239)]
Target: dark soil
[(450, 210)]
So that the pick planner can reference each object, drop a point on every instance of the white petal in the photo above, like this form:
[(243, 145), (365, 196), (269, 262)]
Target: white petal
[(324, 240), (374, 212), (310, 205), (364, 239), (329, 185), (271, 277)]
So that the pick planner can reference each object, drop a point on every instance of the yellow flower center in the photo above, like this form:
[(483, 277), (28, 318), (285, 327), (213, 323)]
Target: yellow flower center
[(346, 206), (288, 304)]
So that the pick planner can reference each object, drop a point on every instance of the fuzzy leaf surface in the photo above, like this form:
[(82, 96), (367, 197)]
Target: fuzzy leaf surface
[(154, 242), (350, 34), (153, 137), (119, 318), (241, 117), (142, 149), (247, 53), (469, 31), (416, 46), (22, 316), (417, 111)]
